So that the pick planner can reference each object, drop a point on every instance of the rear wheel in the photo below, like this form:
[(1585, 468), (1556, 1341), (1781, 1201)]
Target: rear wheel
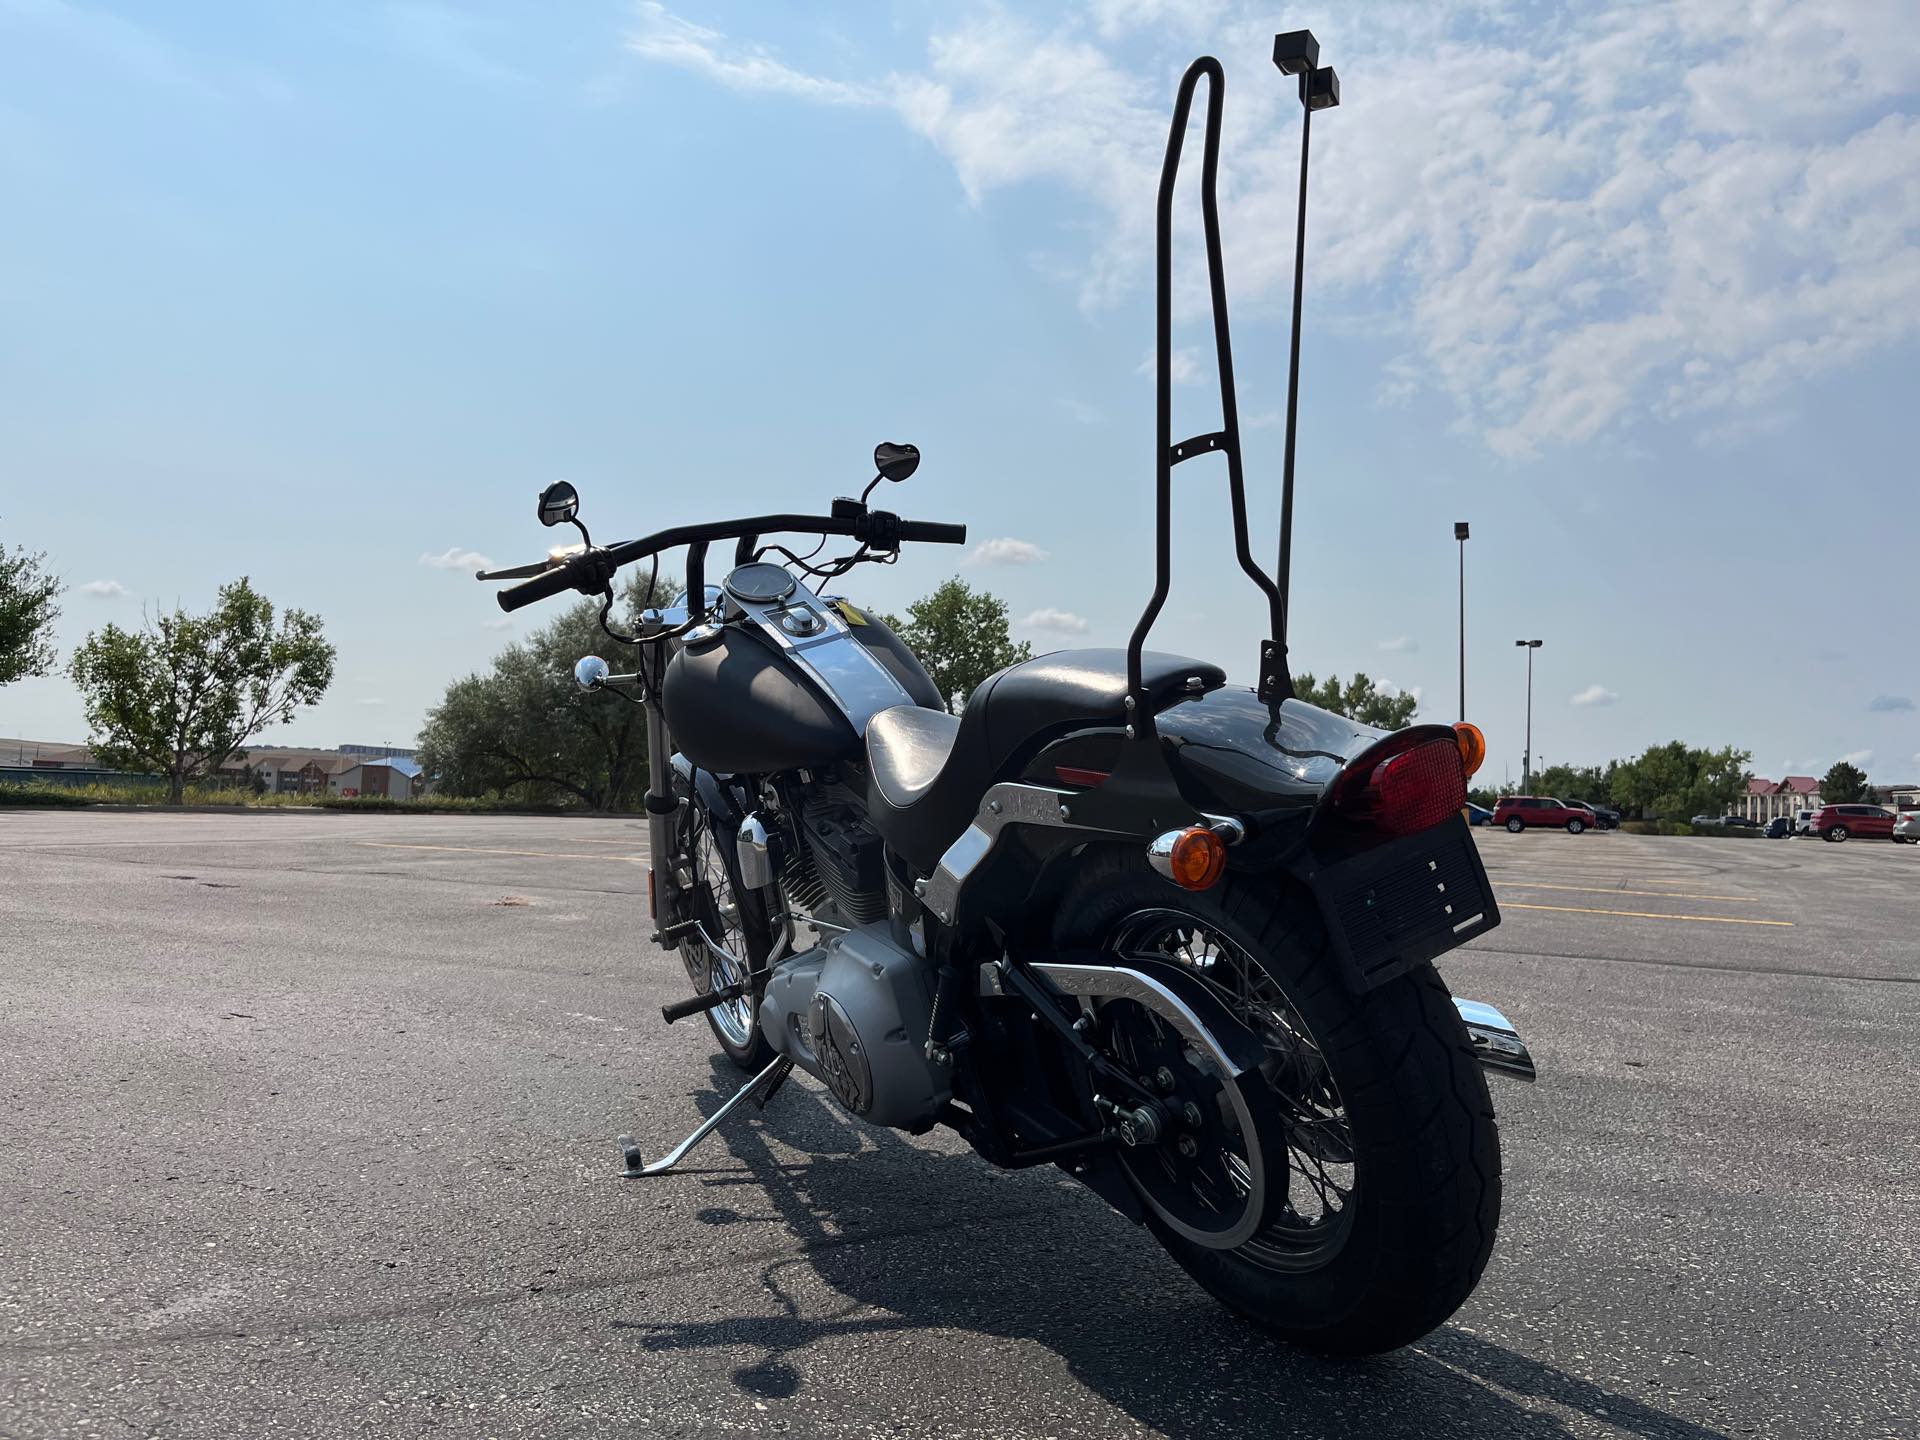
[(1837, 833), (1515, 824), (1346, 1194)]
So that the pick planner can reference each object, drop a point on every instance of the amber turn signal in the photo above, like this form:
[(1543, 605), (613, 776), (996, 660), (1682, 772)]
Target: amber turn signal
[(1473, 746), (1193, 859)]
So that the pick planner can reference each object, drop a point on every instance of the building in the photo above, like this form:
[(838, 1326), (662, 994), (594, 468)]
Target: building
[(1766, 799), (393, 776)]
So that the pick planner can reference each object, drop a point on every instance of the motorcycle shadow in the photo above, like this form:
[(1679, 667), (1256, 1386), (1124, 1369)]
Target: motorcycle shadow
[(912, 1239)]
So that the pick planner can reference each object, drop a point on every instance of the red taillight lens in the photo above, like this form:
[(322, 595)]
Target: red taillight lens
[(1407, 792)]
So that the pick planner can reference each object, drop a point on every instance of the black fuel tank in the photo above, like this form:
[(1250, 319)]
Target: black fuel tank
[(735, 703)]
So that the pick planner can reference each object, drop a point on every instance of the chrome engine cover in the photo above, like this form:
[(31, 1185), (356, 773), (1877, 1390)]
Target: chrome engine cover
[(853, 1013)]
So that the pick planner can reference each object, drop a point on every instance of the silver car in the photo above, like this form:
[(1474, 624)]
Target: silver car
[(1906, 828)]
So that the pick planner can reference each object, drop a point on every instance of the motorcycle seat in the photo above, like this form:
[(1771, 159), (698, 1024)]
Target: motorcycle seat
[(926, 770)]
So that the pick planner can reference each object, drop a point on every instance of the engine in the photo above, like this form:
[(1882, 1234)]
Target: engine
[(853, 1013), (840, 858)]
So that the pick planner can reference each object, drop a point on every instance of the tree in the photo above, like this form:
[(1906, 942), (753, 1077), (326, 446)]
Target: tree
[(27, 613), (525, 725), (1675, 781), (1590, 783), (1359, 700), (182, 694), (1845, 784), (961, 636)]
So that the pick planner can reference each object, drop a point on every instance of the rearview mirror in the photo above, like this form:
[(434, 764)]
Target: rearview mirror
[(896, 462), (559, 503), (590, 673)]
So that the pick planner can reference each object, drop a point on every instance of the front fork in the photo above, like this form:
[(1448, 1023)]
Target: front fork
[(661, 802)]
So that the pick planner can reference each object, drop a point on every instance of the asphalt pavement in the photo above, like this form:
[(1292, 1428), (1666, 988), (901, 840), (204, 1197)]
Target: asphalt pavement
[(308, 1125)]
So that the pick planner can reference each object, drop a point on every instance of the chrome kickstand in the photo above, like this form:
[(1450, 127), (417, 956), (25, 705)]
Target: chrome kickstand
[(763, 1084)]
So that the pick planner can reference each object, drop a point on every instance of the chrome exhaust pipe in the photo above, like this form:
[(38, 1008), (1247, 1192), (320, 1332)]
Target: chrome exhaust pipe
[(1496, 1043)]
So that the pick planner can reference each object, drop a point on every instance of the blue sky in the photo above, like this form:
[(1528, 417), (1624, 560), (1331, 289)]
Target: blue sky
[(323, 295)]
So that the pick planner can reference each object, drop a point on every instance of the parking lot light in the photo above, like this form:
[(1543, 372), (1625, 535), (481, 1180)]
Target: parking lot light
[(1526, 756)]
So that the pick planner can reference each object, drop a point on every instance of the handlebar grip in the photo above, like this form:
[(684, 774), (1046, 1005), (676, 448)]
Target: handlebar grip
[(933, 531), (552, 582)]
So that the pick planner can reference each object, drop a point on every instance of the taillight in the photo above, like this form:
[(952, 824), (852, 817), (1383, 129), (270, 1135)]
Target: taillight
[(1080, 775), (1410, 790)]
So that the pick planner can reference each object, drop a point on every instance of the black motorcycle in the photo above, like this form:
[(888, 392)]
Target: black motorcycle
[(1171, 935)]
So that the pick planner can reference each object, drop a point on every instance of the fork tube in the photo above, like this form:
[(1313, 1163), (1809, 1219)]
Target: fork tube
[(660, 800)]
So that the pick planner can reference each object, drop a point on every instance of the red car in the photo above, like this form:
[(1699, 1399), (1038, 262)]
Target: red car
[(1517, 812), (1838, 822)]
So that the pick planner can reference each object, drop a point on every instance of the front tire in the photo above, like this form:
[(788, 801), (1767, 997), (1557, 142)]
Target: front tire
[(737, 918), (1383, 1194), (1574, 827)]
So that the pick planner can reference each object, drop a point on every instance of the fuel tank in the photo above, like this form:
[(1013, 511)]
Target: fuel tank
[(789, 680), (735, 703)]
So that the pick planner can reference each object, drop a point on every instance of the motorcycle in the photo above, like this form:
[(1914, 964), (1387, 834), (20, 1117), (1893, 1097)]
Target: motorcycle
[(1170, 935)]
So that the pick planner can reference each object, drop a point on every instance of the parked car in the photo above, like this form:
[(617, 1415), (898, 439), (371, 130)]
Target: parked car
[(1478, 814), (1708, 820), (1519, 812), (1603, 818), (1779, 828), (1740, 822), (1842, 822), (1803, 822), (1906, 827)]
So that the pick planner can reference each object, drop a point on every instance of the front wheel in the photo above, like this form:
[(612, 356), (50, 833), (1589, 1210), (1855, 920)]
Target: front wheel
[(1574, 827), (1346, 1194), (734, 917)]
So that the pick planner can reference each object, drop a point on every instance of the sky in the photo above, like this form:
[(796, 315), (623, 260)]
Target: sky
[(324, 295)]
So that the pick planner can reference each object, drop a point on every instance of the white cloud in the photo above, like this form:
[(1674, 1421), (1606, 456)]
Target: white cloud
[(1567, 226), (1861, 758), (370, 702), (1399, 645), (1890, 704), (1006, 551), (454, 558), (1594, 695), (505, 622), (105, 589), (1061, 622), (663, 36), (1183, 366), (1080, 412)]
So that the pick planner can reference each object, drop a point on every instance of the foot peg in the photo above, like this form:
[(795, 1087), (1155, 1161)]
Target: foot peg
[(680, 1009), (761, 1087)]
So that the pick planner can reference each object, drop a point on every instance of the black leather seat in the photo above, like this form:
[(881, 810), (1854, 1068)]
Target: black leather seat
[(927, 770)]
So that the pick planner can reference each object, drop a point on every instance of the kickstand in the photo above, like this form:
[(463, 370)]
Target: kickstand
[(760, 1088)]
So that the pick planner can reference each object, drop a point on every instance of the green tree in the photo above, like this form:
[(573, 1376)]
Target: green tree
[(27, 613), (183, 694), (524, 726), (1359, 699), (1845, 784), (1590, 783), (1675, 781), (961, 636)]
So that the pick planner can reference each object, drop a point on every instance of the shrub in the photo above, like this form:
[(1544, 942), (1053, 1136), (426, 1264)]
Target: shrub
[(1681, 827)]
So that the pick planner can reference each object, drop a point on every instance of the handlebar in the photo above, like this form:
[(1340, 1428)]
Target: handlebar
[(589, 571)]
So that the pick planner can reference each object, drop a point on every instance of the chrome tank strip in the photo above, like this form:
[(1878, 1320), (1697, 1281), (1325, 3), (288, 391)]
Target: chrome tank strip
[(814, 637)]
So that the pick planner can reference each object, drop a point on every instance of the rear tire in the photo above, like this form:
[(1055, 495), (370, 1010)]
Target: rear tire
[(1837, 834), (1515, 824), (1409, 1240)]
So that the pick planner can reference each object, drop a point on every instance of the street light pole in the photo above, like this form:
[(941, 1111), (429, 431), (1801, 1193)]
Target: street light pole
[(1460, 534), (1526, 757)]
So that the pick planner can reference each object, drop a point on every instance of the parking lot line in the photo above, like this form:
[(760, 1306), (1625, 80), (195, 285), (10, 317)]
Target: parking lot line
[(1612, 890), (1650, 915), (487, 850)]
